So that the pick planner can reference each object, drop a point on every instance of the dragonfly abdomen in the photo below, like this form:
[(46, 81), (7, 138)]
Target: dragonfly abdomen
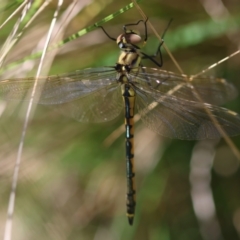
[(128, 94)]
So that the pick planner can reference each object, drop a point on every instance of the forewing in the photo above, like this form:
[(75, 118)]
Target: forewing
[(183, 119), (89, 95), (211, 90), (59, 89)]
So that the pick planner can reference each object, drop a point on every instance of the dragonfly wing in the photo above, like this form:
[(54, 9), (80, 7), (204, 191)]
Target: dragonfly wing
[(89, 95), (102, 105), (59, 89), (183, 119), (211, 90)]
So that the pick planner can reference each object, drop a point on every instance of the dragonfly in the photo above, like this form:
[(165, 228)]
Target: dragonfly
[(168, 103)]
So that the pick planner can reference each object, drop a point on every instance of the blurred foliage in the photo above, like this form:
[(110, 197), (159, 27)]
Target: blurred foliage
[(71, 185)]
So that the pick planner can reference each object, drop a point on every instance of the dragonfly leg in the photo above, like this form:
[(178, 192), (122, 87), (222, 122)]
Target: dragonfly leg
[(134, 24), (158, 52), (112, 38)]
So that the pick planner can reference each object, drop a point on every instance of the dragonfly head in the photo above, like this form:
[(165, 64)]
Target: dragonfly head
[(129, 39)]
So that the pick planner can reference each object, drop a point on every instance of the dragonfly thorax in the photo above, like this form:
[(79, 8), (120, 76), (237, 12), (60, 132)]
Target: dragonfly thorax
[(129, 60)]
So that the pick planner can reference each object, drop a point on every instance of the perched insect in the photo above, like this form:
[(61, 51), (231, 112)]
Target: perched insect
[(168, 103)]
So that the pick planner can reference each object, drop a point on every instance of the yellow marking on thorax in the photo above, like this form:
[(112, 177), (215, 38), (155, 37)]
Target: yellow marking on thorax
[(131, 59)]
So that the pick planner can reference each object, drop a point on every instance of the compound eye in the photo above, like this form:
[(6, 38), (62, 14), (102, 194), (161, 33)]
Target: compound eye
[(133, 38), (121, 39), (128, 38)]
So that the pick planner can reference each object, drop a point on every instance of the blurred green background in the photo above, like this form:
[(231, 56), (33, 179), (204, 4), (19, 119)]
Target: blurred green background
[(71, 183)]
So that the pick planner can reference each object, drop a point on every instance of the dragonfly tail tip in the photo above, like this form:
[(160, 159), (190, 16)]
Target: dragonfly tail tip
[(130, 220)]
